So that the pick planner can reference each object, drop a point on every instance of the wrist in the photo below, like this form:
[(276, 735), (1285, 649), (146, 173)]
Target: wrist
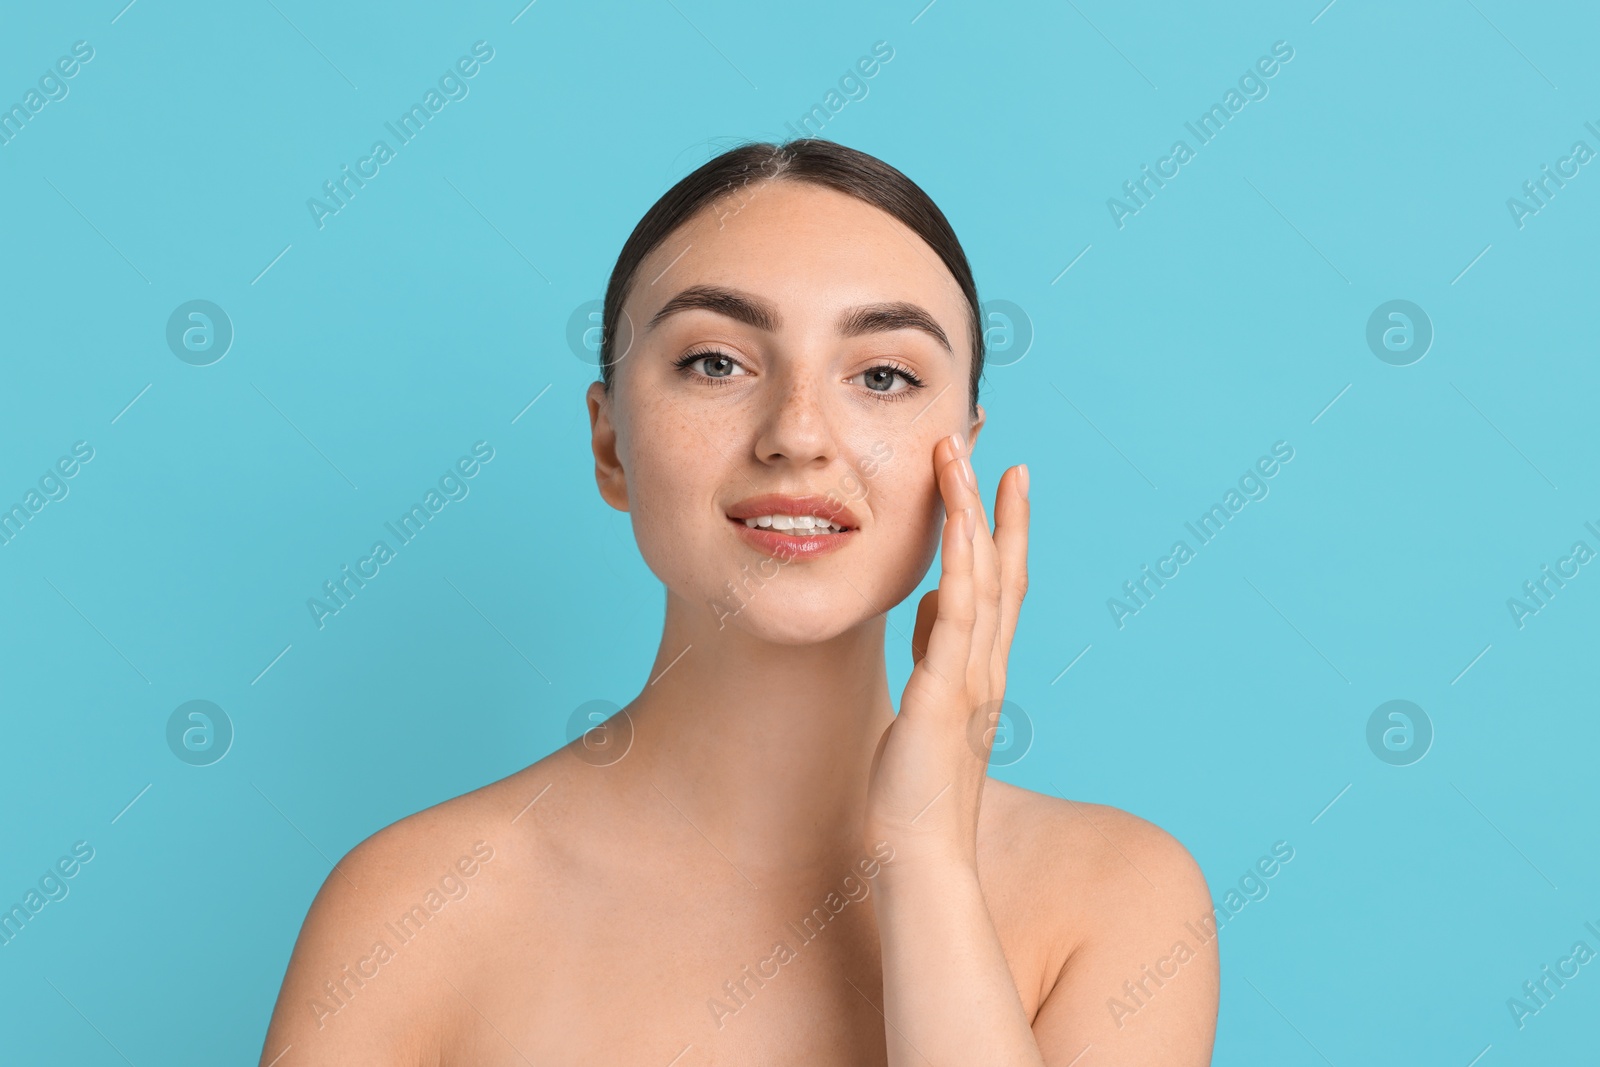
[(909, 870)]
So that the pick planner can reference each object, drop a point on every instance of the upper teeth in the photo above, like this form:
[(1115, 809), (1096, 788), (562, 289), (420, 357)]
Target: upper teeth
[(794, 522)]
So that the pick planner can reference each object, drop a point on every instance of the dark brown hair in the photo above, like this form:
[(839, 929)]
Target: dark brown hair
[(813, 160)]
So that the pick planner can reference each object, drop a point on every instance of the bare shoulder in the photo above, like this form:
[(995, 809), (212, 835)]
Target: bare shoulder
[(1128, 915), (363, 980), (1102, 854)]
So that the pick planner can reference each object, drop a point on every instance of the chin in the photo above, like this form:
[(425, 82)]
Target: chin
[(807, 609), (782, 613), (796, 603), (788, 629)]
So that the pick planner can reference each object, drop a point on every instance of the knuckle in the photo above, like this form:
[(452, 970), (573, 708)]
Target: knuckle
[(962, 621)]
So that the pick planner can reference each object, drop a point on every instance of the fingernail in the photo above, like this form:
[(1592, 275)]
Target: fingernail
[(960, 443), (967, 474), (969, 522), (1022, 480)]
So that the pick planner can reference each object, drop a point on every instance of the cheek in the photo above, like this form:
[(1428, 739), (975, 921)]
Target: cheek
[(661, 486), (672, 498), (909, 521), (927, 531), (919, 505)]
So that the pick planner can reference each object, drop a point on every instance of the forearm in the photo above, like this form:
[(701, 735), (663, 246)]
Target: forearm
[(949, 997)]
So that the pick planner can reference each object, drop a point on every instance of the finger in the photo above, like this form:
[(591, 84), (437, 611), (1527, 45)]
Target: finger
[(986, 580), (1012, 518), (955, 618)]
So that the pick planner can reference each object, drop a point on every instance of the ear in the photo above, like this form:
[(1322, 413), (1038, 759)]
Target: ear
[(608, 473), (977, 428)]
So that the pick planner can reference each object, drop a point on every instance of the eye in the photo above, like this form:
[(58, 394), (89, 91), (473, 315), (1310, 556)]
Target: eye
[(880, 380), (722, 363)]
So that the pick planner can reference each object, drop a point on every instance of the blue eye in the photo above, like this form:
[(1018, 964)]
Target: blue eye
[(714, 358), (885, 374), (879, 380)]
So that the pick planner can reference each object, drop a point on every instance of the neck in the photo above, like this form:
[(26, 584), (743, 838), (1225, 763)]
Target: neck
[(766, 748)]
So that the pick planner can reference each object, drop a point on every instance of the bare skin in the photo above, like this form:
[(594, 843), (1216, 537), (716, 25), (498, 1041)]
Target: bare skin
[(625, 902)]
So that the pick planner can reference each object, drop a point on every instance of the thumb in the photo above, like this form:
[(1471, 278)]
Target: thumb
[(927, 612)]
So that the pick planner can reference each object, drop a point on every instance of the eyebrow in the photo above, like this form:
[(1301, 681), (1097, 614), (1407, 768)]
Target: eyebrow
[(752, 311)]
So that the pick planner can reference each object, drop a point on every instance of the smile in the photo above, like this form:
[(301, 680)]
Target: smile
[(793, 527)]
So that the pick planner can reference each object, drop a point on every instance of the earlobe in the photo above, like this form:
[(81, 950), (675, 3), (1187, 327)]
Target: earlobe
[(609, 476)]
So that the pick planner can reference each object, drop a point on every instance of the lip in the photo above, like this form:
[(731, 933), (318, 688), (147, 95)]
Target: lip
[(782, 504), (787, 545)]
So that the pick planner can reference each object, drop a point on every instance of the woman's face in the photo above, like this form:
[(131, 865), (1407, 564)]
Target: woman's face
[(786, 341)]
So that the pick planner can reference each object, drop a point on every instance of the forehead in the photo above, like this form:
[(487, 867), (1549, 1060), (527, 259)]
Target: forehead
[(809, 249)]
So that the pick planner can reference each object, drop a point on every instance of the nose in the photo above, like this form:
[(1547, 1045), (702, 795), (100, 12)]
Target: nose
[(797, 427)]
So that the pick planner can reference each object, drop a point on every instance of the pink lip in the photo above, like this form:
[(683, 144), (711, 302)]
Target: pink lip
[(787, 545)]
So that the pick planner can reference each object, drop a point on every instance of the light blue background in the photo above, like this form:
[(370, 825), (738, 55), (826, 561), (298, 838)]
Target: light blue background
[(425, 316)]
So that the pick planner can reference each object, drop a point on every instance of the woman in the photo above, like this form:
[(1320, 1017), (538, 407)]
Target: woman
[(757, 861)]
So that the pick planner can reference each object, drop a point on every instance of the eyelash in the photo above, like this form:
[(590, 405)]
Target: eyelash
[(684, 362)]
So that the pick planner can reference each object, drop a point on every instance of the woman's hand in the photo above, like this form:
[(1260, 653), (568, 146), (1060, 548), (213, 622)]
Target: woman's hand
[(927, 776), (948, 992)]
